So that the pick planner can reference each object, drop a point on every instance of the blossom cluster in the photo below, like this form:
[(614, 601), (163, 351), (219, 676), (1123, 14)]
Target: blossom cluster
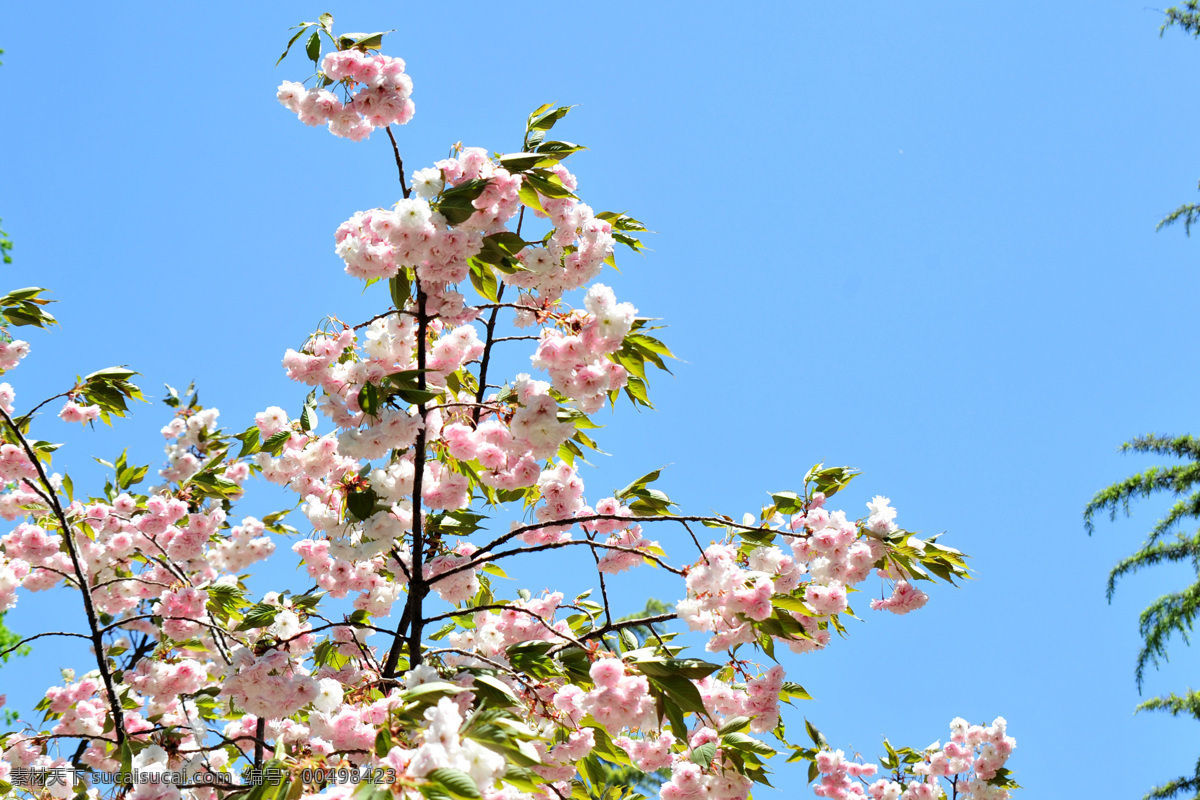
[(826, 555), (974, 757), (382, 95)]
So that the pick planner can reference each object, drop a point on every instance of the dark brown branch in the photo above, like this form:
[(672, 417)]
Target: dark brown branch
[(51, 497), (489, 338), (260, 743), (347, 624), (629, 623), (416, 586), (28, 415)]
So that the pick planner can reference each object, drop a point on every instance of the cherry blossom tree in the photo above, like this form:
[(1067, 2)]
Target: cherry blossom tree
[(404, 670)]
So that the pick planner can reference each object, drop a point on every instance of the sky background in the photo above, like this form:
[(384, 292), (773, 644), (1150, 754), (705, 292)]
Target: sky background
[(917, 239)]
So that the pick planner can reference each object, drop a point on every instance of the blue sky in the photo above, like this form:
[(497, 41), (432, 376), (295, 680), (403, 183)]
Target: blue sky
[(913, 238)]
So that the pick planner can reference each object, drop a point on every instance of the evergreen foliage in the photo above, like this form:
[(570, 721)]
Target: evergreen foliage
[(1186, 17), (1174, 612)]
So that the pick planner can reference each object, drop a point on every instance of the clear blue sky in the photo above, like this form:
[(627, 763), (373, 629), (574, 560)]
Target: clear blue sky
[(913, 238)]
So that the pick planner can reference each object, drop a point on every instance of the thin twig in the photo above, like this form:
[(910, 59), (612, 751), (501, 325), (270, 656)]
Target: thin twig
[(27, 639), (537, 548), (723, 522), (399, 163), (489, 338)]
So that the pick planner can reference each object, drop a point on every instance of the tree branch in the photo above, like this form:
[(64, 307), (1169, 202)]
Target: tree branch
[(68, 535), (416, 586), (28, 639), (399, 162)]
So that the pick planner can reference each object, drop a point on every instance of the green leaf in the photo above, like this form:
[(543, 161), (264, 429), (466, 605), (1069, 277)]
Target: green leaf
[(795, 690), (530, 198), (28, 293), (456, 783), (251, 440), (362, 504), (417, 396), (690, 668), (558, 150), (207, 484), (649, 477), (362, 41), (545, 183), (400, 289), (734, 724), (260, 615), (787, 502), (368, 399), (501, 249), (313, 48), (814, 734), (109, 374), (291, 42), (620, 222), (484, 280), (494, 688), (682, 691), (545, 116), (830, 480), (455, 204), (274, 444), (521, 162), (308, 417), (383, 742), (704, 754), (740, 741)]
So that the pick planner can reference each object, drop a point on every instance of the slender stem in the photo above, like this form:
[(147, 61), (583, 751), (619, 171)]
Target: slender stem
[(347, 624), (399, 163), (683, 520), (537, 548), (697, 541), (490, 338), (600, 574), (68, 534), (384, 315), (630, 623)]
